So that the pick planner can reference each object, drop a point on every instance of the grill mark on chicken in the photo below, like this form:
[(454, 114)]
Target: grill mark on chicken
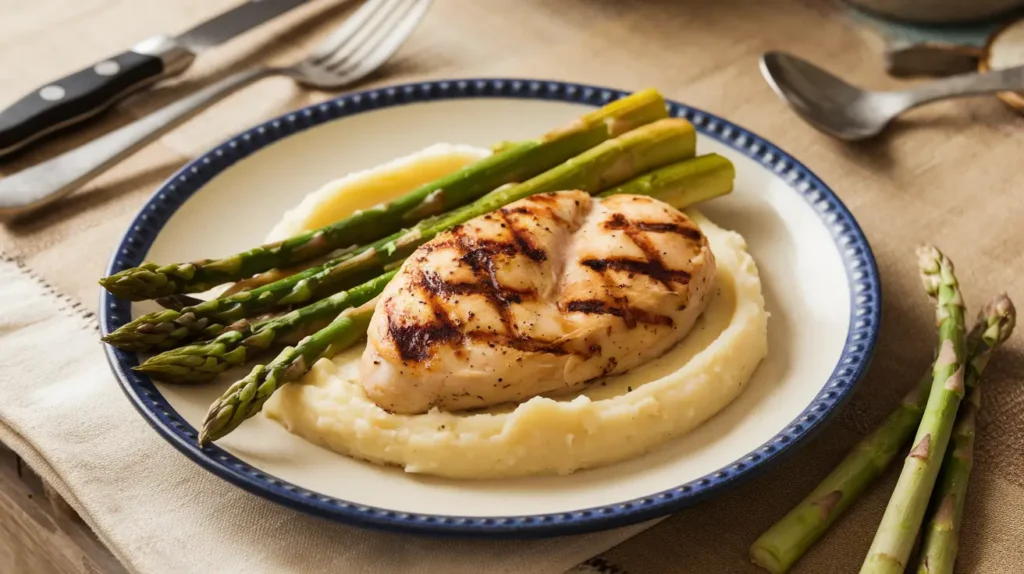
[(653, 269), (525, 344), (501, 297), (522, 238), (626, 312), (448, 288), (618, 221), (415, 341), (655, 264)]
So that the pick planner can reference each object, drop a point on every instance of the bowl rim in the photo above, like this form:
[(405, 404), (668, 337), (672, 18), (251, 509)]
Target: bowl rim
[(858, 349)]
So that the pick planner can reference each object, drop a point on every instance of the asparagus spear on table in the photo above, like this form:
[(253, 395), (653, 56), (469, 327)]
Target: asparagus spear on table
[(938, 555), (898, 529), (686, 182), (788, 539), (204, 361), (514, 162), (245, 398), (648, 147)]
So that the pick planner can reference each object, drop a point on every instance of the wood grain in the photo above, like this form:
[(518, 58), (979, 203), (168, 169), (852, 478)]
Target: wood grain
[(40, 533)]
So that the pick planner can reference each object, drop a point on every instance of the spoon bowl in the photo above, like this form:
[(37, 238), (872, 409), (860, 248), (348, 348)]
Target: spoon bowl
[(849, 113)]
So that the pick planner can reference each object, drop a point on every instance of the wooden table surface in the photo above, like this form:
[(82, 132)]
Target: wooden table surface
[(946, 173)]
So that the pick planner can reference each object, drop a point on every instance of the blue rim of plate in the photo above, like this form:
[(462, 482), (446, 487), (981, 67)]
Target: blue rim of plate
[(858, 260)]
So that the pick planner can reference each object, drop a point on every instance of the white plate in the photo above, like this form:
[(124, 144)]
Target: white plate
[(819, 277)]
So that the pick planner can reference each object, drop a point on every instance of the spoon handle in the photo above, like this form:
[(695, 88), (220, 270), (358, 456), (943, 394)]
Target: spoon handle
[(1006, 79)]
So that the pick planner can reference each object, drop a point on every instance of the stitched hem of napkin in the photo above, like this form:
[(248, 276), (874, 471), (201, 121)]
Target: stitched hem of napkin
[(75, 310), (67, 304)]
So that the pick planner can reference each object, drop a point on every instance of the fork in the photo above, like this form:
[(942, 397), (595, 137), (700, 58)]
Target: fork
[(356, 49)]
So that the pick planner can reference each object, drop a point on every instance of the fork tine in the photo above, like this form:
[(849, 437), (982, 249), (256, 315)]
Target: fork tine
[(366, 35), (340, 37), (386, 45)]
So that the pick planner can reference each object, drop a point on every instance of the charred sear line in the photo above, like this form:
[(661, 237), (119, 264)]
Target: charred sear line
[(481, 261), (537, 211), (655, 269), (489, 245), (686, 231), (621, 308), (593, 306), (433, 281), (414, 341), (522, 238), (618, 221), (654, 266), (525, 344)]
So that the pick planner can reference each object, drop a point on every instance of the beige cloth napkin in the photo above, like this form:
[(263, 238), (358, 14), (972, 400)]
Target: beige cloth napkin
[(63, 412)]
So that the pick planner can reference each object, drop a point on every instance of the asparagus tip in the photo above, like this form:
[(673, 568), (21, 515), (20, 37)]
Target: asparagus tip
[(1001, 314), (930, 261)]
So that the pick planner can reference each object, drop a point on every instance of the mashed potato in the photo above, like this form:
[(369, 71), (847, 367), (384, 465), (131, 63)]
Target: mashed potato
[(614, 419)]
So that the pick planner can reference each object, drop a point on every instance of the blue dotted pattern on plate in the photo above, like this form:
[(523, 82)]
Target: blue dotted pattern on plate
[(854, 249)]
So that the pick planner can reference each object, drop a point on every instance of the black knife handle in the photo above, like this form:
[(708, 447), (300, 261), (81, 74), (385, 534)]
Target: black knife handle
[(76, 98)]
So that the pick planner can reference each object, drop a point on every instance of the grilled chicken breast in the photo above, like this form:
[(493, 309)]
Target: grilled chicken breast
[(536, 298)]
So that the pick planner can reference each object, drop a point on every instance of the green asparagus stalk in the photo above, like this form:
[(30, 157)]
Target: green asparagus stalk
[(169, 328), (939, 550), (788, 539), (608, 164), (514, 162), (246, 397), (204, 361), (242, 401), (685, 183), (895, 537)]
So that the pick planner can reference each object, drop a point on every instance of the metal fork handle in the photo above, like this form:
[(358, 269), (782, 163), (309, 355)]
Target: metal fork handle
[(44, 183), (1005, 79)]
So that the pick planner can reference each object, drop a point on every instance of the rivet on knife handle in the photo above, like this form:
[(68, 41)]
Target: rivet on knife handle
[(87, 92)]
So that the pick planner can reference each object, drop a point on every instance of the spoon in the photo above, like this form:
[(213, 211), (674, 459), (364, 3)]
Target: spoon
[(850, 113)]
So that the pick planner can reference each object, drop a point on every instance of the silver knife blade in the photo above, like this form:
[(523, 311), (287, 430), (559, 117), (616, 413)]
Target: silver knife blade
[(233, 22)]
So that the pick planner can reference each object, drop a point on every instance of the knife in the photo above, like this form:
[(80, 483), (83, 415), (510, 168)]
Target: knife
[(87, 92)]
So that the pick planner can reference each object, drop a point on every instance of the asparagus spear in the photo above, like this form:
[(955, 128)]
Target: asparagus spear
[(895, 537), (938, 556), (788, 539), (512, 163), (204, 361), (682, 183), (245, 398), (169, 328), (686, 182), (607, 164)]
